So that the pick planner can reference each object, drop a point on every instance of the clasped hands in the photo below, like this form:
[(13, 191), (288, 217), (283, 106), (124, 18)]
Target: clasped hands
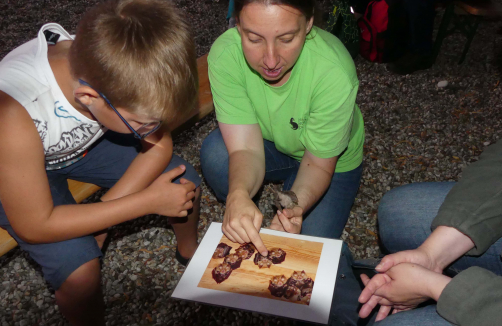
[(405, 280), (242, 221)]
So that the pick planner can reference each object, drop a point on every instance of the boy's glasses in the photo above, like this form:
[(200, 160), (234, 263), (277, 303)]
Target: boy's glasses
[(143, 131)]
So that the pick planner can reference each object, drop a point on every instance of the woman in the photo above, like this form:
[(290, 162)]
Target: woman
[(284, 93)]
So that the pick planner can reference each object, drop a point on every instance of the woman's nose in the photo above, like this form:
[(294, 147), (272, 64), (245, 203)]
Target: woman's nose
[(271, 58)]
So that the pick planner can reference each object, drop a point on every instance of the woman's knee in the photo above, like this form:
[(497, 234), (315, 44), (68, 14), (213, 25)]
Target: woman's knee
[(405, 213), (392, 207), (213, 152), (214, 163)]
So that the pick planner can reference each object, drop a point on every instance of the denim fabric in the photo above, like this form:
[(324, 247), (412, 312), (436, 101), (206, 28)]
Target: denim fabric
[(326, 219), (345, 307), (104, 164), (426, 316), (405, 215)]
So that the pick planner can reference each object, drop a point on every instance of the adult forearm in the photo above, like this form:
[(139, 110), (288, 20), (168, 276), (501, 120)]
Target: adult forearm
[(472, 298), (445, 245), (310, 184), (72, 221), (246, 172), (473, 204)]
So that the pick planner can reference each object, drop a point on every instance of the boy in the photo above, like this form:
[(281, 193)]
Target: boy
[(131, 68)]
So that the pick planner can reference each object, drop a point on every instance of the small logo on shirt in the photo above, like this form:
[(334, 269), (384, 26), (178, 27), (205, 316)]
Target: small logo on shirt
[(293, 124), (60, 112), (51, 38)]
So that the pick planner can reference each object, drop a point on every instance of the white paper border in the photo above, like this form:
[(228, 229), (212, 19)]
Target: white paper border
[(322, 294)]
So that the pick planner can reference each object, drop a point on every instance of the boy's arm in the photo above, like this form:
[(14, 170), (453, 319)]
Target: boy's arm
[(156, 153), (26, 197)]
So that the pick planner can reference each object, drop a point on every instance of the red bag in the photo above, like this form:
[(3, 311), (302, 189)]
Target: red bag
[(382, 31)]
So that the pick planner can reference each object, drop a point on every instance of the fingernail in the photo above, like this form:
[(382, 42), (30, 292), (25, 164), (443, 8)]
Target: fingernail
[(379, 266)]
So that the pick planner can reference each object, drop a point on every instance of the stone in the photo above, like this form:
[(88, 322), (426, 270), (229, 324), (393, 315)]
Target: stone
[(443, 84)]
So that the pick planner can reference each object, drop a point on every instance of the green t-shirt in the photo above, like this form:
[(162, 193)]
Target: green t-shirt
[(314, 110)]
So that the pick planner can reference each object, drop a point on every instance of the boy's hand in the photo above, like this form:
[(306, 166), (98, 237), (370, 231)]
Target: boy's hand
[(242, 221), (289, 220), (171, 199)]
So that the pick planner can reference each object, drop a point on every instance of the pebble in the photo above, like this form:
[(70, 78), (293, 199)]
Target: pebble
[(443, 84)]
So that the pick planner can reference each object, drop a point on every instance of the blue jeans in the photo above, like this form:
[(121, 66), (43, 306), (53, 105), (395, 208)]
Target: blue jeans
[(345, 307), (104, 165), (405, 216), (326, 219)]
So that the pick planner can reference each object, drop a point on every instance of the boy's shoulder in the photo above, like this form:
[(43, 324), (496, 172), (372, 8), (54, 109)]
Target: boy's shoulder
[(23, 71), (228, 42)]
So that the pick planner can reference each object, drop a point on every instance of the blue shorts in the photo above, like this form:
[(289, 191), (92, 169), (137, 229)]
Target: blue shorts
[(103, 165)]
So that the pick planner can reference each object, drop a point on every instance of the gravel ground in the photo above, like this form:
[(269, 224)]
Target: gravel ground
[(415, 131)]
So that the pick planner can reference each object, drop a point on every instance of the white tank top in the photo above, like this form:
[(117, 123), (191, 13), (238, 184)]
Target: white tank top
[(25, 75)]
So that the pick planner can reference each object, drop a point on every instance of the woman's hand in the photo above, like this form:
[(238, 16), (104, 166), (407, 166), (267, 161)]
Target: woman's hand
[(242, 221), (289, 220), (402, 287), (419, 256), (442, 247)]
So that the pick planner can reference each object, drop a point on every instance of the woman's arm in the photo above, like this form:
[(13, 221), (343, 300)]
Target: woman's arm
[(472, 298), (242, 219), (313, 179)]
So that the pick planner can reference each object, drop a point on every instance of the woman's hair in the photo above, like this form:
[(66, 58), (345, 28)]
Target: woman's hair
[(306, 7), (140, 54)]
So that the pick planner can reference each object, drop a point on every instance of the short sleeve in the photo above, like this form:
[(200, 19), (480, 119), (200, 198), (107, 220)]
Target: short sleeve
[(231, 101), (331, 116)]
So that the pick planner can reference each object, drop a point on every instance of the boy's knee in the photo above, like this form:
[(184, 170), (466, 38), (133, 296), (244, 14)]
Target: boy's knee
[(85, 280)]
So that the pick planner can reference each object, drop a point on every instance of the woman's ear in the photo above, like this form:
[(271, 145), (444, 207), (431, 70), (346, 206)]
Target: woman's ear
[(310, 23), (85, 95), (238, 25)]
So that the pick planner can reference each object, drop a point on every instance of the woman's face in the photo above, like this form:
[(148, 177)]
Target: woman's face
[(272, 39)]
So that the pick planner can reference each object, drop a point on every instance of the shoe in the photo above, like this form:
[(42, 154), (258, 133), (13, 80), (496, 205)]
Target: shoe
[(182, 260), (409, 63)]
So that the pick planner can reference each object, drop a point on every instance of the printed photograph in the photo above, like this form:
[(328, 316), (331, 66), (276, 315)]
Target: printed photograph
[(287, 273)]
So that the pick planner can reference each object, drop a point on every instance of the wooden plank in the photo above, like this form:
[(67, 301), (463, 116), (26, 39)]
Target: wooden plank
[(6, 242), (82, 190), (480, 7), (205, 105)]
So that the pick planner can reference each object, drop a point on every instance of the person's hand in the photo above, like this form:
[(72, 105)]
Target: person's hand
[(168, 198), (289, 220), (418, 256), (402, 287), (242, 221)]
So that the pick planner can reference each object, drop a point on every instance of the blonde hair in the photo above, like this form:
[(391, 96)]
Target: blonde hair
[(140, 54)]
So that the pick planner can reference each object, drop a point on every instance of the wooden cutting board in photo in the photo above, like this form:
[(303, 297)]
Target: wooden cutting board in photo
[(249, 279)]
